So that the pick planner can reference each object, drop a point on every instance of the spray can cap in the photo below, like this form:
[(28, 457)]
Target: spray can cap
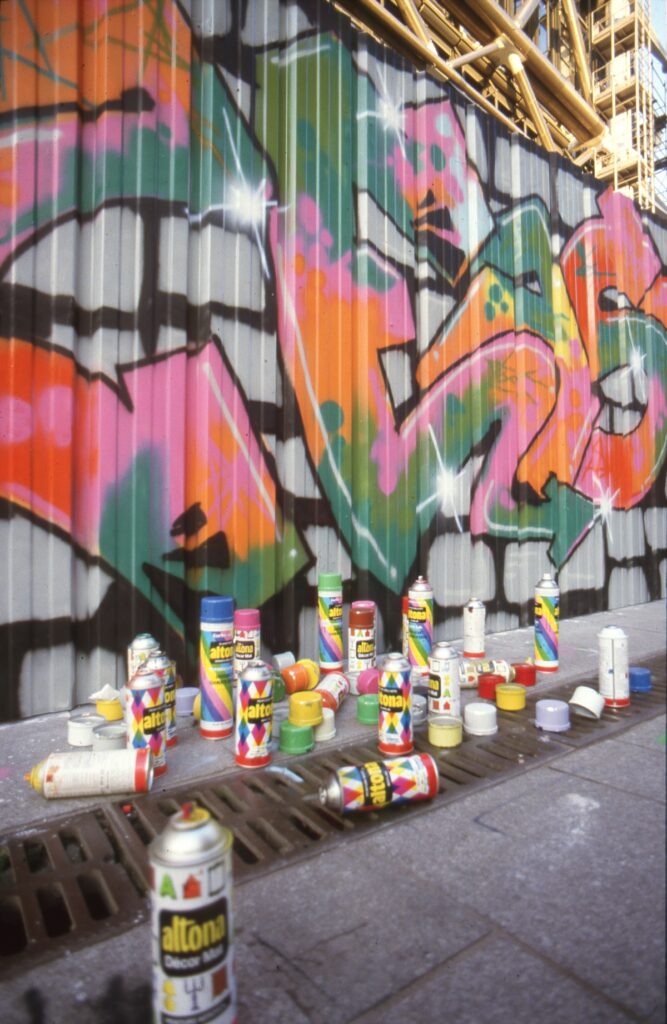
[(217, 609), (329, 581), (362, 615), (246, 618)]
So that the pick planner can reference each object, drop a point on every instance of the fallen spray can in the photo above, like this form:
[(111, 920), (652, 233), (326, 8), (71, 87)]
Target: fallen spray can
[(420, 624), (333, 688), (165, 668), (395, 700), (471, 669), (377, 784), (216, 657), (330, 619), (191, 921), (79, 773), (547, 597), (613, 672), (444, 681), (360, 640), (474, 622), (247, 639), (254, 716), (146, 717)]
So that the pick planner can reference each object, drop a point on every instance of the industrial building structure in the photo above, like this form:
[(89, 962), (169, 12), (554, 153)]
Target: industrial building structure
[(583, 78)]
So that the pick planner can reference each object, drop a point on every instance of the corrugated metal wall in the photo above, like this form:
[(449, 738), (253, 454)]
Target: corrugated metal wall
[(271, 301)]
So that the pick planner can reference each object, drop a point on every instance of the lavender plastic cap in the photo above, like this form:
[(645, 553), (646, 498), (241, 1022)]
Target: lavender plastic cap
[(246, 618), (552, 715)]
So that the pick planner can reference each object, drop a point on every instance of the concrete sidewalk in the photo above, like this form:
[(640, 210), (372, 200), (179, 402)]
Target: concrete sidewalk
[(539, 897)]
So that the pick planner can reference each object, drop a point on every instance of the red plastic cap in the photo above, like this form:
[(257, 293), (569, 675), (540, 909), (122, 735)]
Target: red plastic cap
[(486, 685), (525, 674), (362, 615)]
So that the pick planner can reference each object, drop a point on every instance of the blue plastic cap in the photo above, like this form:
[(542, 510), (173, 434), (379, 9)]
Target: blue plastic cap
[(217, 609), (640, 680)]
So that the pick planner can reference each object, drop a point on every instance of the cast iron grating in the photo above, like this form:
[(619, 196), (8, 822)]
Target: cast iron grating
[(76, 880)]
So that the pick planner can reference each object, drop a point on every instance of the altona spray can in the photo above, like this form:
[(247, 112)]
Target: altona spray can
[(254, 715), (216, 658), (334, 688), (138, 651), (165, 668), (444, 683), (247, 638), (146, 717), (191, 921), (405, 629), (83, 773), (420, 624), (470, 670), (330, 615), (613, 672), (547, 597), (360, 640), (395, 698), (377, 784), (474, 622)]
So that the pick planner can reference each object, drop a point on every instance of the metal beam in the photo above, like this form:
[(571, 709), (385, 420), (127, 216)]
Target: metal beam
[(515, 64), (583, 68), (416, 23)]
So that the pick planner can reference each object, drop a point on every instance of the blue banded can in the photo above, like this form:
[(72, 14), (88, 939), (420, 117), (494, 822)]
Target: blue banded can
[(395, 700), (191, 921), (444, 683), (165, 668)]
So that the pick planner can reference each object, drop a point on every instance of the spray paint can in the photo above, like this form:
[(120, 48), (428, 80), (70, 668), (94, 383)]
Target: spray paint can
[(360, 640), (420, 624), (405, 630), (444, 683), (377, 784), (165, 668), (247, 639), (191, 921), (395, 699), (79, 773), (146, 717), (254, 716), (613, 672), (470, 670), (216, 666), (330, 617), (474, 620), (547, 597), (141, 648), (334, 688)]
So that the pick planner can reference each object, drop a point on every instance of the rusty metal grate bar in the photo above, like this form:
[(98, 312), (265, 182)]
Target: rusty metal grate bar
[(77, 880)]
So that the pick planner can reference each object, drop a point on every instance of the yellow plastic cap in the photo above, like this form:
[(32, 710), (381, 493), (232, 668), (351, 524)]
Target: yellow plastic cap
[(305, 708), (510, 697)]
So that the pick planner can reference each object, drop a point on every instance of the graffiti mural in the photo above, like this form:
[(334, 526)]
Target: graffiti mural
[(271, 301)]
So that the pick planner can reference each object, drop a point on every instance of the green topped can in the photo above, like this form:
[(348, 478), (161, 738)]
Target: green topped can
[(330, 618)]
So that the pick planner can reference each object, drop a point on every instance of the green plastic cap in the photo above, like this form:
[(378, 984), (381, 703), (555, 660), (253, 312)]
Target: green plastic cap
[(329, 581), (278, 688), (296, 739), (368, 709)]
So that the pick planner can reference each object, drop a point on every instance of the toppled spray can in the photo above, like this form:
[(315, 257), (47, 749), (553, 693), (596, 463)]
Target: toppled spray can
[(377, 784)]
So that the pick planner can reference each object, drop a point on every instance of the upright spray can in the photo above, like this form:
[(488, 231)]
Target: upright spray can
[(444, 683), (360, 640), (420, 624), (216, 660), (191, 921), (405, 629), (254, 715), (613, 672), (165, 668), (547, 596), (377, 784), (330, 615), (141, 648), (247, 638), (395, 699), (146, 717), (474, 621)]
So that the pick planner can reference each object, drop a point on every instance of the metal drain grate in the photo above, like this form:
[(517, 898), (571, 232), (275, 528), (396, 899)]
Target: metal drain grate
[(77, 880)]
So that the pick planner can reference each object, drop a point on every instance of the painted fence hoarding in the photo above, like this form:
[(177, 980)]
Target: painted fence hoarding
[(272, 300)]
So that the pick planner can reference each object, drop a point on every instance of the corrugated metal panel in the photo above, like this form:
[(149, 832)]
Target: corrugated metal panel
[(273, 301)]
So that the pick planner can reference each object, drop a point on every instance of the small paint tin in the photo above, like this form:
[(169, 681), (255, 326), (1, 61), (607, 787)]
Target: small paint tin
[(613, 675), (640, 680), (80, 728), (474, 618), (586, 702), (305, 708), (552, 715), (510, 697), (525, 674), (480, 719), (110, 710), (487, 683), (110, 736), (445, 731)]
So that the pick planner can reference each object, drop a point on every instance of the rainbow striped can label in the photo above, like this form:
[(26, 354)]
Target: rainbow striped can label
[(254, 717), (330, 611), (546, 631), (145, 716), (377, 784), (216, 660), (420, 632), (395, 718)]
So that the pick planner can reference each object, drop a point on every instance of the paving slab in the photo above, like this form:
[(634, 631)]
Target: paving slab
[(631, 767)]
